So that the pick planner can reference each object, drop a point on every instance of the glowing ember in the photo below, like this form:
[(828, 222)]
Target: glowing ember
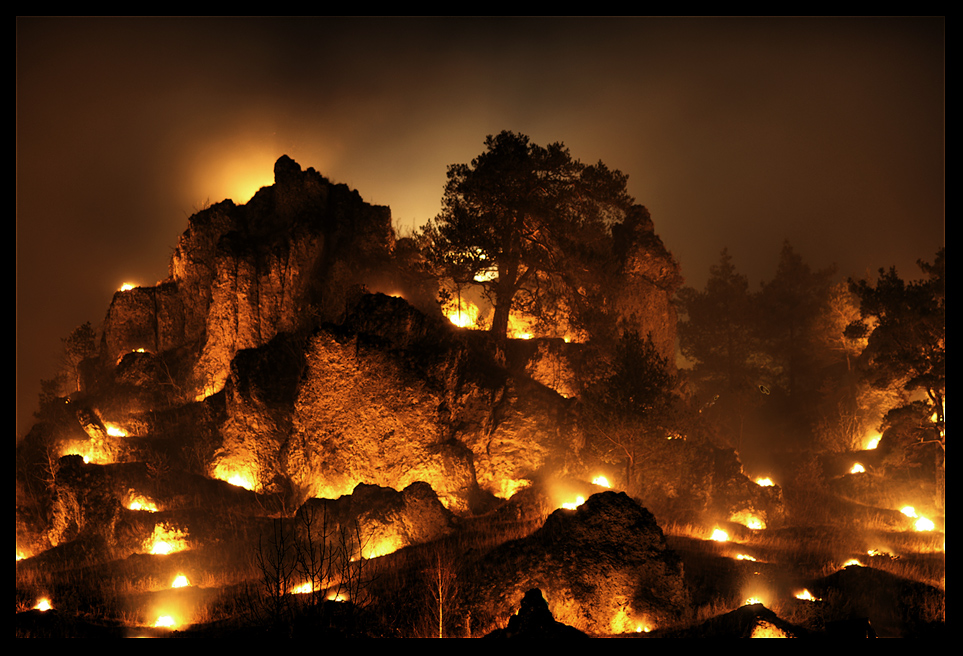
[(572, 505), (745, 557), (857, 469), (873, 442), (180, 582), (764, 482), (923, 524), (601, 481), (166, 540), (719, 535), (806, 595), (43, 605), (165, 622), (909, 511), (851, 562)]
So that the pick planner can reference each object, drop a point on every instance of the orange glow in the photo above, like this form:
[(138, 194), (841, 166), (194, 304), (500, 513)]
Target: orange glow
[(857, 469), (806, 595), (463, 316), (752, 600), (764, 629), (138, 502), (745, 557), (127, 286), (872, 442), (43, 605), (749, 520), (237, 475), (508, 487), (601, 481), (764, 482), (304, 588), (180, 581), (852, 561), (165, 622), (114, 430), (572, 505), (909, 511), (719, 535), (923, 524), (166, 539)]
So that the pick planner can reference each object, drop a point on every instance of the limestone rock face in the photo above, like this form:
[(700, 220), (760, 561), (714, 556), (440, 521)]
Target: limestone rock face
[(378, 520), (603, 568), (649, 279), (242, 274)]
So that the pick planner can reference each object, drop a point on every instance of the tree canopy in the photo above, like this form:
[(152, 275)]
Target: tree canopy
[(515, 219), (905, 324)]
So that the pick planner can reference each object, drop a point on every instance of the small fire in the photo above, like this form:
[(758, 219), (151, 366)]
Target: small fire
[(806, 595), (180, 581), (851, 562), (236, 475), (601, 481), (165, 622), (719, 535), (642, 628), (745, 557), (873, 442), (923, 524), (879, 553), (749, 520), (764, 629), (166, 540), (752, 600), (43, 605), (127, 286), (572, 505), (464, 315), (508, 487), (909, 511), (764, 482), (304, 588), (114, 430), (138, 502), (857, 469)]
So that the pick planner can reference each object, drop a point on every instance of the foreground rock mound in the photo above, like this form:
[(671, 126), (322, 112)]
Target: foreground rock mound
[(604, 568), (534, 620)]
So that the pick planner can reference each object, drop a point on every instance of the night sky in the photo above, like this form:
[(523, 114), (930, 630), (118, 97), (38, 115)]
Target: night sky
[(737, 133)]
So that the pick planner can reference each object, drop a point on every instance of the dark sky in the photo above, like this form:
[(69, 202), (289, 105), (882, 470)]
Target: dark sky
[(737, 133)]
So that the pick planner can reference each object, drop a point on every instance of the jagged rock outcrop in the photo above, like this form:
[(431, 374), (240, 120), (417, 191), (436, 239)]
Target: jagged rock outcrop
[(242, 274), (603, 567), (377, 520)]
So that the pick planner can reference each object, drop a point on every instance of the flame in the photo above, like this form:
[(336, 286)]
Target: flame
[(236, 475), (572, 505), (463, 315), (138, 502), (127, 286), (114, 430), (749, 520), (752, 600), (852, 561), (166, 540), (304, 588), (857, 468), (873, 442), (806, 595), (380, 548), (519, 328), (180, 581), (909, 511), (601, 481), (719, 535), (43, 605), (745, 557), (90, 451), (764, 482), (165, 622), (923, 524)]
